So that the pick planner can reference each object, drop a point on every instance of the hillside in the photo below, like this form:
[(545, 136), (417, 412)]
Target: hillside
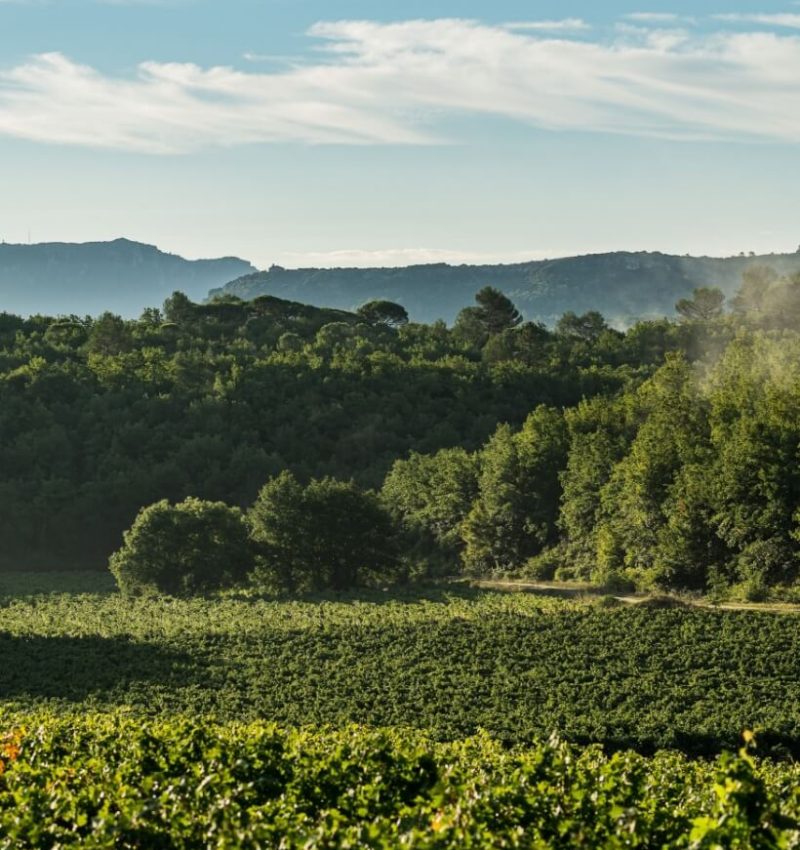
[(623, 286), (121, 276)]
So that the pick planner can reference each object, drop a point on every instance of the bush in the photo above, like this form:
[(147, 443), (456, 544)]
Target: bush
[(566, 574), (183, 549), (605, 601), (613, 581), (753, 589), (543, 567), (766, 562)]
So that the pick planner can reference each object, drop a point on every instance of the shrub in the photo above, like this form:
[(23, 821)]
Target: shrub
[(566, 574), (613, 581), (183, 549), (663, 602), (766, 562), (606, 601), (543, 567)]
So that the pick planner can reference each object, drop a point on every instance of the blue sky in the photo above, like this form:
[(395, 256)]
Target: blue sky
[(337, 133)]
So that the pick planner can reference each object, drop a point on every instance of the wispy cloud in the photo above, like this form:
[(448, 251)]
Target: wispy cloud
[(787, 19), (564, 25), (376, 83), (653, 17)]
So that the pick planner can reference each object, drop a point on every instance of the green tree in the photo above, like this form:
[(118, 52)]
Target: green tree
[(588, 326), (754, 290), (706, 303), (178, 308), (109, 336), (529, 344), (188, 548), (514, 515), (689, 552), (599, 436), (328, 535), (289, 342), (383, 313), (673, 431), (280, 527), (430, 496), (496, 311), (755, 410)]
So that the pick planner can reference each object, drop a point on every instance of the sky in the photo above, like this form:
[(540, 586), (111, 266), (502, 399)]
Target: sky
[(346, 132)]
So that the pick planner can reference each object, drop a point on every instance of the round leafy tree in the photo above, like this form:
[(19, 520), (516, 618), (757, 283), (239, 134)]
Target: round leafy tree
[(328, 535), (183, 549)]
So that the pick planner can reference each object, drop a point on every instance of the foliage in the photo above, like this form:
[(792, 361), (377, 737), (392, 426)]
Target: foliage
[(665, 455), (101, 780), (706, 303), (384, 313), (514, 514), (327, 535), (191, 547), (429, 496), (588, 327), (102, 417), (448, 661)]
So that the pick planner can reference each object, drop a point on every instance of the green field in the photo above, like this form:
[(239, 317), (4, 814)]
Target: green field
[(423, 719), (450, 716), (450, 661)]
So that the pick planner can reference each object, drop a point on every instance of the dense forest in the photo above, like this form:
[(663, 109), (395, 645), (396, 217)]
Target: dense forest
[(662, 456)]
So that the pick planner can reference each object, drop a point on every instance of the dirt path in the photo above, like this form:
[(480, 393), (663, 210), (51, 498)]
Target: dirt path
[(576, 590)]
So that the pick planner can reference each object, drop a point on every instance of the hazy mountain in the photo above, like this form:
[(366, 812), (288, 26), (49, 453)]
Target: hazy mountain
[(622, 285), (121, 276)]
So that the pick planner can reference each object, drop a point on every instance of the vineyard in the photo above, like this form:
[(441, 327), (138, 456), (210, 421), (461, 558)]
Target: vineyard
[(449, 662), (446, 717), (103, 781)]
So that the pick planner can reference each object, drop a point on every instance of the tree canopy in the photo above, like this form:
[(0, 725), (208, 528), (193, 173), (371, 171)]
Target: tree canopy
[(188, 548), (327, 535), (664, 452)]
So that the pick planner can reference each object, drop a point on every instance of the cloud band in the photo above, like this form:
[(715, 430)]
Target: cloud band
[(376, 83)]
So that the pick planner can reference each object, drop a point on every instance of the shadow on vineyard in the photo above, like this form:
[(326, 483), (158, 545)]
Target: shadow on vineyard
[(450, 660), (627, 679), (73, 668)]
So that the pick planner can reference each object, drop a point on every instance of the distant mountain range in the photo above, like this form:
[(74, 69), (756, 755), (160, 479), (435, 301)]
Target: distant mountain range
[(121, 276), (623, 286), (124, 277)]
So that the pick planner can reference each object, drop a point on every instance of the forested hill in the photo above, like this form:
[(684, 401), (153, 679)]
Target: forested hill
[(123, 276), (622, 286)]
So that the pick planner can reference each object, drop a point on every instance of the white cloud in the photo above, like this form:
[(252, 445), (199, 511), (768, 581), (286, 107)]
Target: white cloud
[(788, 19), (653, 17), (375, 83), (564, 25)]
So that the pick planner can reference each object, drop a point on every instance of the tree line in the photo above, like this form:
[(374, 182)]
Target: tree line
[(662, 455)]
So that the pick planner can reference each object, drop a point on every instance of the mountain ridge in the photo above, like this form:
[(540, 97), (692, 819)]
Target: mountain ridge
[(120, 275), (623, 285)]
